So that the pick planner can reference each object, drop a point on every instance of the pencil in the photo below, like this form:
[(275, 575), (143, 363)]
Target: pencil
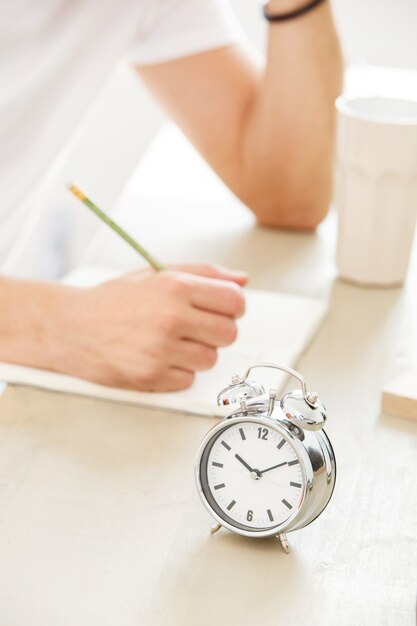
[(115, 227)]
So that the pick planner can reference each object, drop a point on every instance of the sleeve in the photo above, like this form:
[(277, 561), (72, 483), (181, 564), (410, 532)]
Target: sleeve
[(179, 28)]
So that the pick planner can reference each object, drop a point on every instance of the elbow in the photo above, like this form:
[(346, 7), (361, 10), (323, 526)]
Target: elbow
[(298, 214), (291, 206)]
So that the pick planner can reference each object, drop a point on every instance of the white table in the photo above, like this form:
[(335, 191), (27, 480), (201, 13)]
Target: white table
[(100, 521)]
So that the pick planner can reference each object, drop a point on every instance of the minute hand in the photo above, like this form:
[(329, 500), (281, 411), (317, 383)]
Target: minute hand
[(268, 469)]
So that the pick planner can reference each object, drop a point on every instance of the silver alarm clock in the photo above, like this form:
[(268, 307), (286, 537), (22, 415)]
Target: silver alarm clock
[(268, 468)]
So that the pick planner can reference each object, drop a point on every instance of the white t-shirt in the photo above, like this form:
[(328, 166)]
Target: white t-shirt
[(54, 54)]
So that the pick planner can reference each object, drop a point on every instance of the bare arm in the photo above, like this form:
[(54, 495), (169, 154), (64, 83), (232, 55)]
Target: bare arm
[(146, 330), (267, 131)]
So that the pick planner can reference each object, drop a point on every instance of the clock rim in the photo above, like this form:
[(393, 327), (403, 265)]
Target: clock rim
[(305, 464)]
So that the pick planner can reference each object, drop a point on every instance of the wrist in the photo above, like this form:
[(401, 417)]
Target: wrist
[(34, 322), (288, 10), (282, 6)]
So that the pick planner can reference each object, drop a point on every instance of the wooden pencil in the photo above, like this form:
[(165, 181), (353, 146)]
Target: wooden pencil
[(115, 227)]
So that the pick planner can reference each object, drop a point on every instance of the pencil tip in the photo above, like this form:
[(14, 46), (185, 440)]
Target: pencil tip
[(76, 191)]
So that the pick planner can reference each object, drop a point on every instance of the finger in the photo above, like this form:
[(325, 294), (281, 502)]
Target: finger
[(214, 271), (177, 379), (211, 329), (193, 356), (168, 379), (218, 296)]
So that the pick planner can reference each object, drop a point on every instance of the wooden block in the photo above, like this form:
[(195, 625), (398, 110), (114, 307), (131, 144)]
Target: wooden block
[(400, 396)]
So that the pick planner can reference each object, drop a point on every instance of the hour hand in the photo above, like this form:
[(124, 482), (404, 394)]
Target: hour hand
[(239, 458)]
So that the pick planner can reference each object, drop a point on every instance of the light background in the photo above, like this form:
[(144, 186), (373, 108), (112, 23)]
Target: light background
[(123, 119)]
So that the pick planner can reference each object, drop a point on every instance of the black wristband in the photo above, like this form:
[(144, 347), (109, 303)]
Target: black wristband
[(282, 17)]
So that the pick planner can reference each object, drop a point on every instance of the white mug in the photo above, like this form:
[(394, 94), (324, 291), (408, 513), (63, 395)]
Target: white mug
[(376, 188)]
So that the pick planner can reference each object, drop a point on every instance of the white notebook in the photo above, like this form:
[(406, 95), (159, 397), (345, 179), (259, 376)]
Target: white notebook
[(275, 328)]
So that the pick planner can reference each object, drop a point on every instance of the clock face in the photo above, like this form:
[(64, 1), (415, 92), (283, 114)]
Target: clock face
[(251, 476)]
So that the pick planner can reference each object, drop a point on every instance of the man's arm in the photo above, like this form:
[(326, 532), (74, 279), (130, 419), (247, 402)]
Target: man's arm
[(267, 131), (146, 330)]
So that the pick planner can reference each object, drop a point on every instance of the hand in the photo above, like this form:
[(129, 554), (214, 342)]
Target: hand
[(268, 469), (151, 330)]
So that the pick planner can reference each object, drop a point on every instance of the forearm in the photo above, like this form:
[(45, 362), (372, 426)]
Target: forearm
[(147, 330), (32, 326), (268, 133), (289, 133)]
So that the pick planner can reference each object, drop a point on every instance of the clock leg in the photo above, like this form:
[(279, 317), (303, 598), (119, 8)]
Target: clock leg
[(215, 528), (284, 542)]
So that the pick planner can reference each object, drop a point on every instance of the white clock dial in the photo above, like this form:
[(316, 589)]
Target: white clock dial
[(253, 475)]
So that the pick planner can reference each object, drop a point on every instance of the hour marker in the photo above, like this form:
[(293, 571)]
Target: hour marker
[(293, 462), (226, 445), (271, 517), (231, 505), (287, 504), (219, 486), (295, 484), (242, 434), (217, 464), (281, 443)]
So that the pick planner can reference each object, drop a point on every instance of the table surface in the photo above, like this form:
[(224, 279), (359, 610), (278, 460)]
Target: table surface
[(100, 520)]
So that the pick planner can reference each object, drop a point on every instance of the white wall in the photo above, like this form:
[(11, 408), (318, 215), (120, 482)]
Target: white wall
[(378, 32)]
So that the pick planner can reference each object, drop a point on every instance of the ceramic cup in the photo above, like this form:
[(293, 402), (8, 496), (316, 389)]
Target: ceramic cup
[(376, 188)]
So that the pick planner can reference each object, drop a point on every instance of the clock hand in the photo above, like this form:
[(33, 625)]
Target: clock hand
[(255, 474), (268, 469), (239, 458)]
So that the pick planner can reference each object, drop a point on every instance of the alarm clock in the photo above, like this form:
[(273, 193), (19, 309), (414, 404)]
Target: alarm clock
[(268, 468)]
